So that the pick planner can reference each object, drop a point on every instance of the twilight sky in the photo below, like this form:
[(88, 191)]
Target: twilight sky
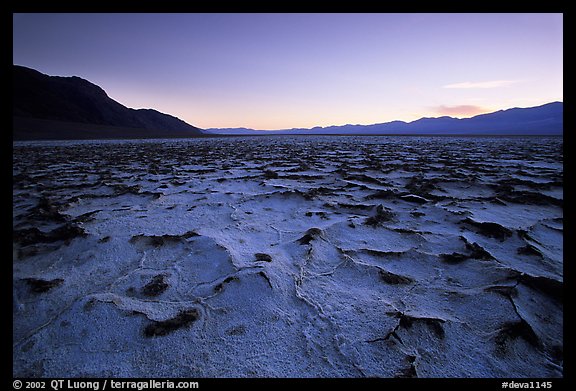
[(272, 71)]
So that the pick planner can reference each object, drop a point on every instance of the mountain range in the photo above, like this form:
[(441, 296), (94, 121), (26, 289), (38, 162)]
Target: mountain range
[(53, 107), (546, 119)]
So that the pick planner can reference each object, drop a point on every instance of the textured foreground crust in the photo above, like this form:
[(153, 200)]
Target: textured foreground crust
[(280, 256)]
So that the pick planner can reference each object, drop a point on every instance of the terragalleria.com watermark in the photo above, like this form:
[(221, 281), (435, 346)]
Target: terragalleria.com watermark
[(104, 384)]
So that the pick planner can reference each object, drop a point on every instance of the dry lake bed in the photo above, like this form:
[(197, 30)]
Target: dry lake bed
[(315, 256)]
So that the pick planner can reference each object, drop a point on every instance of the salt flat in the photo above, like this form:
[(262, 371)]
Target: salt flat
[(289, 257)]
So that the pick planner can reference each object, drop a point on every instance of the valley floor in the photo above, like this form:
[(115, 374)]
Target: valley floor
[(289, 257)]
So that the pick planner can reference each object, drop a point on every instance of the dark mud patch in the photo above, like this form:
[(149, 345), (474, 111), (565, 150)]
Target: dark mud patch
[(161, 328), (513, 330), (394, 279), (384, 254), (454, 258), (236, 330), (317, 192), (37, 285), (523, 234), (557, 353), (473, 251), (548, 286), (488, 229), (311, 234), (155, 287), (86, 217), (381, 215), (261, 257), (530, 198), (220, 287), (45, 210), (434, 324), (478, 252), (382, 195), (321, 214), (359, 207), (408, 372), (161, 240), (406, 231), (407, 321), (33, 235), (529, 250), (269, 174), (420, 186), (363, 178)]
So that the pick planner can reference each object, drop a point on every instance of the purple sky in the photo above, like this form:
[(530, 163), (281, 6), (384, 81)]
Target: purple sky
[(271, 71)]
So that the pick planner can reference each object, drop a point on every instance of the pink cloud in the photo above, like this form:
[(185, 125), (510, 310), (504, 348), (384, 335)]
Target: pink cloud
[(460, 111)]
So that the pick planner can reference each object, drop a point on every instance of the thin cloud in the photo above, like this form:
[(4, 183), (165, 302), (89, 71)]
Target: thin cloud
[(459, 111), (483, 84)]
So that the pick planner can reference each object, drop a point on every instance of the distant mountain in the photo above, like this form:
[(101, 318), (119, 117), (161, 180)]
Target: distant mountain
[(53, 107), (540, 120), (238, 131)]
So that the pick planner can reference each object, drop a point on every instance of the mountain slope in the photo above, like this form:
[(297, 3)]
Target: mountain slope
[(43, 104), (545, 119)]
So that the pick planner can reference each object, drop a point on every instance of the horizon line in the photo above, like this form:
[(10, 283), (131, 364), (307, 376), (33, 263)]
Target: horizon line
[(378, 123)]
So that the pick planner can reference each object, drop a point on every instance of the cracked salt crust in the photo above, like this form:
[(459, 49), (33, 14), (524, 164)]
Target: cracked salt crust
[(351, 299)]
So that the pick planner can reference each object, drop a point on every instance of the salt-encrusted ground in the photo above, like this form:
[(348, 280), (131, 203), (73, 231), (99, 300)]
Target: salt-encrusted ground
[(289, 256)]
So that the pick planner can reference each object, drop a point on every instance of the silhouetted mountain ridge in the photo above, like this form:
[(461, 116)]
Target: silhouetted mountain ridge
[(546, 119), (72, 100)]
